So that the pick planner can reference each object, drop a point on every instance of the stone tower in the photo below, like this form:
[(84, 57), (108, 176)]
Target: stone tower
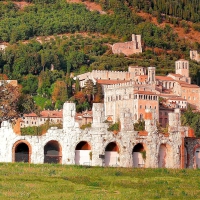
[(151, 75), (182, 67), (137, 45)]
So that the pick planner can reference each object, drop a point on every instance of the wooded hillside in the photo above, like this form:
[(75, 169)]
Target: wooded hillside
[(71, 39)]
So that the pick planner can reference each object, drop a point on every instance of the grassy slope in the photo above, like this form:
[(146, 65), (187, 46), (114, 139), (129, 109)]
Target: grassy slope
[(23, 181)]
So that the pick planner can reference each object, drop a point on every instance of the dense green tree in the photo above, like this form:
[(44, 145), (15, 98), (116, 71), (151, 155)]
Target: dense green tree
[(30, 84)]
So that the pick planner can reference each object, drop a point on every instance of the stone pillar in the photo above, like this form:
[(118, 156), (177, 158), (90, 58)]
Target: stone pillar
[(150, 119), (69, 111), (126, 120), (174, 120), (182, 154), (98, 113)]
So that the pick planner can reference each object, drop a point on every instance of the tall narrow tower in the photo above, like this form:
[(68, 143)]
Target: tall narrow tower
[(182, 67), (151, 75)]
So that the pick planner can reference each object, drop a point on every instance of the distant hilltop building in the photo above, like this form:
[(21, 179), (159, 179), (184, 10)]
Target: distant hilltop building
[(194, 55), (128, 48), (2, 47)]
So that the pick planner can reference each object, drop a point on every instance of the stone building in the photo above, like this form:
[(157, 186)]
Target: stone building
[(32, 119), (53, 117), (97, 146), (194, 55), (128, 48), (140, 88)]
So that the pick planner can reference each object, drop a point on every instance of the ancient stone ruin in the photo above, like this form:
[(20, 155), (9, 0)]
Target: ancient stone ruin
[(128, 48), (96, 146)]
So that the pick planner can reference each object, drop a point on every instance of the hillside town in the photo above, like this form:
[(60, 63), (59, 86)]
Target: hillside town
[(129, 97)]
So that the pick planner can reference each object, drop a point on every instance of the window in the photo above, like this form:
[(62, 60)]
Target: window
[(140, 106)]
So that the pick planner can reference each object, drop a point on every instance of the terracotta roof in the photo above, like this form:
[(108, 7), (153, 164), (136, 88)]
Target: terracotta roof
[(164, 78), (144, 92), (189, 85), (52, 113), (110, 82), (176, 75), (142, 76), (30, 115), (46, 114), (178, 98)]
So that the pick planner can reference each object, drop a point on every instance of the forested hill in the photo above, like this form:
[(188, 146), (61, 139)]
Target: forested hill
[(74, 38), (184, 9)]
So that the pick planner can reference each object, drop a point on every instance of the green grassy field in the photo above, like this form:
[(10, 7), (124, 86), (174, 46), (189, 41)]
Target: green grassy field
[(24, 181)]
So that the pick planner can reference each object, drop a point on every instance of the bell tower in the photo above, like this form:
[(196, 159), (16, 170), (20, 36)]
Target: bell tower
[(182, 67)]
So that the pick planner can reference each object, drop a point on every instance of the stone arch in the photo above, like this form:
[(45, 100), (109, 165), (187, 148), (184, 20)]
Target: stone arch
[(21, 151), (164, 155), (83, 153), (111, 154), (52, 152), (139, 155)]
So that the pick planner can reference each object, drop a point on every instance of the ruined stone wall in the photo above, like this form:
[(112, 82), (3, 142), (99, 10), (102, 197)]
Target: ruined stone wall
[(128, 48), (194, 55), (98, 137), (192, 158)]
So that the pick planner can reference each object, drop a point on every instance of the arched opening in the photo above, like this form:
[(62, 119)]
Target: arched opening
[(21, 152), (185, 157), (52, 152), (83, 153), (164, 156), (139, 155), (111, 154), (197, 157)]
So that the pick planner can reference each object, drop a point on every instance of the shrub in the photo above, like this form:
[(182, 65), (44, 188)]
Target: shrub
[(114, 127), (139, 126), (84, 126)]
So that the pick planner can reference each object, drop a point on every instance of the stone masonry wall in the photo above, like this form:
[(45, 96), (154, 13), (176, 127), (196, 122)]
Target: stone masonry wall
[(98, 137)]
